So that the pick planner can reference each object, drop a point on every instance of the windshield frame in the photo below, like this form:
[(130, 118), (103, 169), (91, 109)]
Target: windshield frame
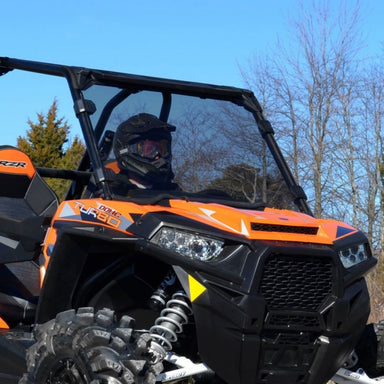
[(80, 79)]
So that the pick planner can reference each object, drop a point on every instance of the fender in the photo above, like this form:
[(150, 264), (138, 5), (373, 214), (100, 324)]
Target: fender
[(60, 281), (73, 247)]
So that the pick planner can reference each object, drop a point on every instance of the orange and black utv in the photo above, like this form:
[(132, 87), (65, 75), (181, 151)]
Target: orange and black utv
[(224, 277)]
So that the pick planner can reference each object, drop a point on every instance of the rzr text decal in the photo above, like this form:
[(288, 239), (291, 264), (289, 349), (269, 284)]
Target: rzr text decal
[(14, 164)]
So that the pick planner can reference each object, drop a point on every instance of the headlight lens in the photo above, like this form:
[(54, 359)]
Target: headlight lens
[(353, 255), (188, 244)]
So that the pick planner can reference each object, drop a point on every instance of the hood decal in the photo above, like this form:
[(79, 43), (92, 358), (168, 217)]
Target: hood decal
[(244, 231), (86, 211), (342, 231), (68, 213)]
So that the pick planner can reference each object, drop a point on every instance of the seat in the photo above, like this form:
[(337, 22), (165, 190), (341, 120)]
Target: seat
[(27, 205)]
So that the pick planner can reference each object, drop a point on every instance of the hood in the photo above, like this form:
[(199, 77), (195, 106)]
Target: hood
[(269, 224)]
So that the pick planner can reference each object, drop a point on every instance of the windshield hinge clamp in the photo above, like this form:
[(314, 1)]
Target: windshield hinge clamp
[(84, 106)]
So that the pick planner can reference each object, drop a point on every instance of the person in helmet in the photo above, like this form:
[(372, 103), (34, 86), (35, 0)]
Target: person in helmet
[(142, 147)]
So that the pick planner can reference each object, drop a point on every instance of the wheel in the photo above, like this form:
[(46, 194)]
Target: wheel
[(83, 347), (370, 349)]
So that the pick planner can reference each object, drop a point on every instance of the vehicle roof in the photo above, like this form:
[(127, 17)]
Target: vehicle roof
[(85, 76)]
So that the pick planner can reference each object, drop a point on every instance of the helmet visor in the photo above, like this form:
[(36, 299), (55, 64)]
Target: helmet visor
[(149, 149)]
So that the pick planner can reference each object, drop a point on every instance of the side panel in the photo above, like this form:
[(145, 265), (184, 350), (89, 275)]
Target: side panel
[(64, 269)]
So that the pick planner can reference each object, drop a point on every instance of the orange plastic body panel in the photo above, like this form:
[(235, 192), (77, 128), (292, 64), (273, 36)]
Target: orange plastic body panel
[(3, 324), (114, 166), (16, 162), (117, 215)]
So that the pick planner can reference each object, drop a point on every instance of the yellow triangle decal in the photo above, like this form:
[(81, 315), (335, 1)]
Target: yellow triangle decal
[(195, 288)]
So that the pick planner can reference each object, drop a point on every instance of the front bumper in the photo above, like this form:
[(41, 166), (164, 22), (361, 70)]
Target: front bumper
[(294, 319)]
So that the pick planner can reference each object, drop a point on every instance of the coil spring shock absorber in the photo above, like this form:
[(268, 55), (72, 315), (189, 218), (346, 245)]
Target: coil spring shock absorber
[(170, 322)]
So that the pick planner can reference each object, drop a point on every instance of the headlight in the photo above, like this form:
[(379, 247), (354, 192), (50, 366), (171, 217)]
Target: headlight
[(353, 255), (188, 244)]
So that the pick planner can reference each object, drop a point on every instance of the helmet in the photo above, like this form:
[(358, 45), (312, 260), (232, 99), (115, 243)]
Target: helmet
[(142, 145)]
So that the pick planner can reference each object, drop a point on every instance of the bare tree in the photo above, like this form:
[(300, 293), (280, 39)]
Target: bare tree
[(305, 79), (327, 108), (372, 113)]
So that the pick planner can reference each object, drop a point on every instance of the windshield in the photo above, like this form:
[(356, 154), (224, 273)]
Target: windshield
[(216, 145)]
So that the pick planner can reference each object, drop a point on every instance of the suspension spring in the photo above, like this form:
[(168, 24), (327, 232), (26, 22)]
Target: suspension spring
[(171, 320)]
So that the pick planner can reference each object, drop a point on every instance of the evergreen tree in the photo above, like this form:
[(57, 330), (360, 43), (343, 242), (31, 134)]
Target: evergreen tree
[(47, 144)]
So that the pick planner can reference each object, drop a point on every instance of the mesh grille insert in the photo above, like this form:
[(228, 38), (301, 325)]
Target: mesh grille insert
[(291, 321), (296, 283)]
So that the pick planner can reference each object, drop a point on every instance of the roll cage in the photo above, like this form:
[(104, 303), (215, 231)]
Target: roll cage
[(80, 79)]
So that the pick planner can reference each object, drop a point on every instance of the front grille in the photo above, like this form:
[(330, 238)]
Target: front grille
[(296, 282), (292, 321)]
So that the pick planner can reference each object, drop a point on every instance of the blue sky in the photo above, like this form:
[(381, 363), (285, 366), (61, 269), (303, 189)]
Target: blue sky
[(197, 40)]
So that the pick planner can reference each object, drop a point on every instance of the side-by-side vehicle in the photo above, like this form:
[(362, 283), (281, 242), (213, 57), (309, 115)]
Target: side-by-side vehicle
[(222, 275)]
